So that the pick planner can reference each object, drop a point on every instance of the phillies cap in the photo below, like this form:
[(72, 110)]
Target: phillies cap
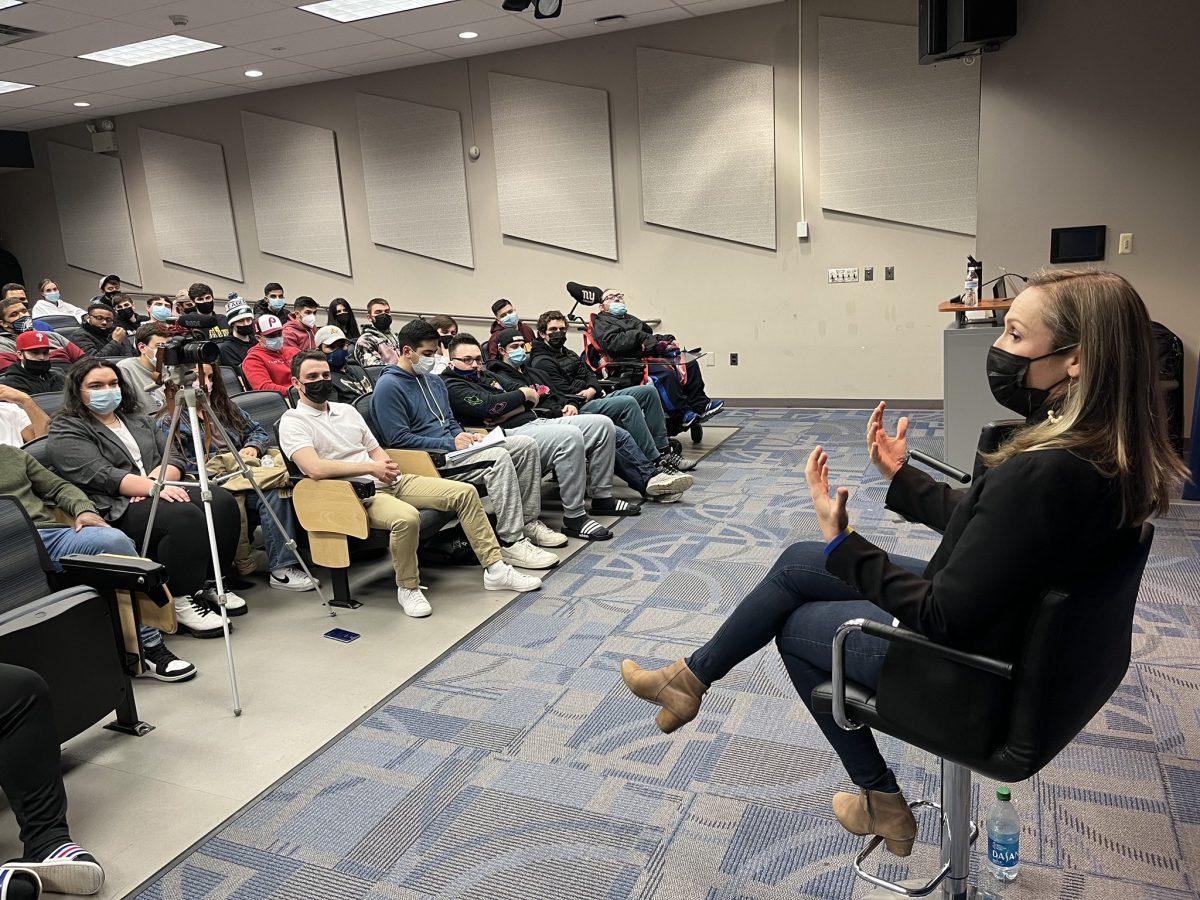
[(328, 334), (33, 340), (269, 324)]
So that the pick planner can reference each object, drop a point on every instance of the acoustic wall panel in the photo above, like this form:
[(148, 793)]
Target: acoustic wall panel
[(707, 130), (189, 202), (554, 164), (416, 183), (93, 212), (297, 191), (899, 141)]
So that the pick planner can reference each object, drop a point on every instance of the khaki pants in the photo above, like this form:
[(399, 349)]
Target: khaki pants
[(397, 509)]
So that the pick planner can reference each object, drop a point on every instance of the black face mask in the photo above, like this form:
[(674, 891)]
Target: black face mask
[(36, 366), (204, 308), (343, 318), (318, 391), (125, 314), (97, 329), (558, 340), (445, 339), (382, 322), (245, 330), (1006, 377)]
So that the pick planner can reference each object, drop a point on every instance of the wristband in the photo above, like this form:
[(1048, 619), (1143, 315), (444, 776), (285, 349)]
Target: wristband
[(841, 536)]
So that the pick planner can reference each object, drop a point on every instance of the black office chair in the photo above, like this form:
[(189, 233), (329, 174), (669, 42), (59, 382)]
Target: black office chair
[(70, 332), (49, 402), (58, 322), (264, 407), (991, 437), (233, 381), (69, 631), (373, 372)]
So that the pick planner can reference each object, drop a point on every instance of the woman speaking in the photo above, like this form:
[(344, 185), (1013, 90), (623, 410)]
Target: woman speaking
[(1077, 359)]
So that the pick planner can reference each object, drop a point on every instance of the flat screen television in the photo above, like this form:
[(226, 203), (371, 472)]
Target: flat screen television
[(1082, 243), (953, 28)]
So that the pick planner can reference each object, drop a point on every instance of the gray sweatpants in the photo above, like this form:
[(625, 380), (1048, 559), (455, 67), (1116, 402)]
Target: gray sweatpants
[(580, 450), (513, 483)]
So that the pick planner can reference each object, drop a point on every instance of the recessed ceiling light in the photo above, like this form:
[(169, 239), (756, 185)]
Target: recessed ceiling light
[(5, 4), (153, 50), (468, 35), (82, 104), (7, 87), (253, 73), (353, 10)]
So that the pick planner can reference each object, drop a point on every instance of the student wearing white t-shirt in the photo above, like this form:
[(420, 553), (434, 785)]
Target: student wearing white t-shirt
[(21, 420), (331, 440)]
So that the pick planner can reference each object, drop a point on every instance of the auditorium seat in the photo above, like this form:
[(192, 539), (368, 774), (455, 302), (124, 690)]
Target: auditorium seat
[(58, 322), (264, 407), (373, 372), (49, 402), (233, 381)]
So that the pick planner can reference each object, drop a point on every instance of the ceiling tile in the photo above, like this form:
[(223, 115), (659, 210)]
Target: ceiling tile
[(310, 77), (348, 56), (420, 58), (111, 7), (163, 87), (98, 100), (213, 92), (115, 79), (57, 71), (37, 96), (587, 29), (314, 41), (138, 106), (207, 61), (259, 28), (13, 58), (22, 118), (271, 68), (200, 13), (705, 7), (516, 41), (581, 11), (99, 36), (49, 18), (488, 30), (446, 15)]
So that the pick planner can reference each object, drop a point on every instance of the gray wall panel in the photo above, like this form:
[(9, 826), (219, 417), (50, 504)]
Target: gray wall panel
[(416, 184), (554, 174), (189, 202), (93, 212), (707, 133), (297, 191), (899, 141)]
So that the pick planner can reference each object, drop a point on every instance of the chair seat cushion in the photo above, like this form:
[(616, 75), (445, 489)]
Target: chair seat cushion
[(860, 702)]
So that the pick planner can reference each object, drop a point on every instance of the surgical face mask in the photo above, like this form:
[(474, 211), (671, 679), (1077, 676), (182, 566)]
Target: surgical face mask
[(557, 340), (1006, 373), (309, 320), (517, 356), (383, 321), (149, 354), (337, 359), (274, 344), (244, 330), (275, 304), (104, 400), (423, 365), (22, 324), (36, 366), (160, 313), (510, 320), (204, 306), (318, 391), (618, 309), (52, 297)]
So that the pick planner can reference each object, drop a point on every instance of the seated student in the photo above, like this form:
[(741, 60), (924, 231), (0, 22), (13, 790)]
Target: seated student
[(21, 420), (15, 320), (99, 336), (367, 349), (31, 775), (341, 315), (268, 365), (623, 336), (273, 302), (33, 373), (141, 372), (300, 330), (637, 409), (505, 315), (40, 492), (1094, 461), (250, 440), (350, 380), (51, 303), (478, 399), (17, 292), (160, 309), (204, 304), (110, 289), (411, 409), (447, 328), (512, 370), (234, 348), (99, 442), (126, 316), (331, 440)]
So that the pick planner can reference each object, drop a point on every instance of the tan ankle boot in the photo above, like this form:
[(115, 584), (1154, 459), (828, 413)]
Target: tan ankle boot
[(674, 688), (876, 812)]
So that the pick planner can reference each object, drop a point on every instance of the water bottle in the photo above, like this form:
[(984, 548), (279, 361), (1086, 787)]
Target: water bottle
[(970, 295), (1004, 835)]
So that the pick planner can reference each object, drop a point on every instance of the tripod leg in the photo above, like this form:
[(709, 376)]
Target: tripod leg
[(161, 479)]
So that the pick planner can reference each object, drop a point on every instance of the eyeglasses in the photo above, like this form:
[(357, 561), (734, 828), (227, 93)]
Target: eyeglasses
[(102, 320), (562, 330), (470, 360)]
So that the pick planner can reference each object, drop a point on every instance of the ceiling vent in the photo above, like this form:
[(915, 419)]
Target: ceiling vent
[(11, 34)]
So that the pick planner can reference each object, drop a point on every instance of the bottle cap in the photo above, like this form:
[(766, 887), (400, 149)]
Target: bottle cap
[(1003, 793)]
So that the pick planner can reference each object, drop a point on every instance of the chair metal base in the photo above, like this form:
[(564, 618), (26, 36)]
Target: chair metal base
[(885, 894)]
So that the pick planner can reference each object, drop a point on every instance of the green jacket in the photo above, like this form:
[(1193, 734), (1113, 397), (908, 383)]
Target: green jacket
[(38, 489)]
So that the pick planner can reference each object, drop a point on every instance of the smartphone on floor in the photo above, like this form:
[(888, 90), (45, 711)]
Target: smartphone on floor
[(341, 634)]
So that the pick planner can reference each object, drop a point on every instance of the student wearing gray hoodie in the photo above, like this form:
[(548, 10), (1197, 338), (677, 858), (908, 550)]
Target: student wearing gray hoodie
[(410, 409)]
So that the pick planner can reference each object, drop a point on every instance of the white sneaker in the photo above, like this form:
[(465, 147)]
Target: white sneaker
[(544, 535), (503, 577), (413, 601), (197, 618), (291, 578), (234, 605), (668, 483), (527, 556), (666, 498)]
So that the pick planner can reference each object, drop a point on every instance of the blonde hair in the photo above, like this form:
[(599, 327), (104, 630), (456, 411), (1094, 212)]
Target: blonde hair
[(1112, 415)]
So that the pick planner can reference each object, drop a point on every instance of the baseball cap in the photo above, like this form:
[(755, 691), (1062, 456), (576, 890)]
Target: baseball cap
[(269, 324), (327, 334), (33, 340), (508, 335), (238, 313)]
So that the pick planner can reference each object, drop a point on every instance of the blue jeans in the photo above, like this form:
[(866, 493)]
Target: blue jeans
[(800, 606), (639, 411), (60, 542), (278, 554), (630, 463)]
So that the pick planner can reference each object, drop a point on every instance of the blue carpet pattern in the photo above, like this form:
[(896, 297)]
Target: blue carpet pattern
[(519, 767)]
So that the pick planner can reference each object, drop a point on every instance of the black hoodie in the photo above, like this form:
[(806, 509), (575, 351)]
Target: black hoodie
[(564, 371)]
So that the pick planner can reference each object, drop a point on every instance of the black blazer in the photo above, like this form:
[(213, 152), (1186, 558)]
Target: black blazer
[(1041, 520), (89, 455)]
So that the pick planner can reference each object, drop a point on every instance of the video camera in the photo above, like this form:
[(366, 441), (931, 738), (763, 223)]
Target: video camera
[(188, 350)]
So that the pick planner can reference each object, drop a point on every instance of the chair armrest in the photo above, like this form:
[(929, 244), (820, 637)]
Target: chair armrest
[(892, 634), (414, 462), (330, 505), (110, 572)]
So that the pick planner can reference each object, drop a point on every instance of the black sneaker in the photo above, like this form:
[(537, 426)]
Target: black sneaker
[(67, 870), (164, 665)]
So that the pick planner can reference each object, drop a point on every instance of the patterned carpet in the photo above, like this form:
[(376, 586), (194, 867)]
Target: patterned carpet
[(519, 767)]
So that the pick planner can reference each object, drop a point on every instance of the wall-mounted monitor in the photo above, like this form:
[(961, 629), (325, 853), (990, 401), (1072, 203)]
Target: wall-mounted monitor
[(952, 28), (1083, 243)]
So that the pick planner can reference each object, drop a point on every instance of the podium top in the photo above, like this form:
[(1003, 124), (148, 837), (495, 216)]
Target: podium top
[(1004, 303)]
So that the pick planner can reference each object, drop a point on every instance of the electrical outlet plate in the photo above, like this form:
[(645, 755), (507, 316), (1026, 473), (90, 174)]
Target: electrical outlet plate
[(733, 359), (843, 276), (1126, 243), (869, 273), (889, 273)]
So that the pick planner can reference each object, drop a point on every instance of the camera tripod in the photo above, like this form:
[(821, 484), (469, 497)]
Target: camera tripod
[(187, 395)]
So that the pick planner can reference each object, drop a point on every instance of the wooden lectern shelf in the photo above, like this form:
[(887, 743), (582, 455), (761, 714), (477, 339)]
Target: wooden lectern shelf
[(1003, 303)]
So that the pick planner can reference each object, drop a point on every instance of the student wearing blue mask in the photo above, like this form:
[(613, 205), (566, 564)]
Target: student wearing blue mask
[(350, 380), (51, 303), (273, 301), (506, 317), (268, 365), (160, 309)]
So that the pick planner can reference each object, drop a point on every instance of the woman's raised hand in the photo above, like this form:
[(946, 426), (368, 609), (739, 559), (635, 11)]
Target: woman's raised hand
[(888, 452), (831, 511)]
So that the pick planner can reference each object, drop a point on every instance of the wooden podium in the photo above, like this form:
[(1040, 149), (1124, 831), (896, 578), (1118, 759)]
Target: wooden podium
[(996, 307)]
